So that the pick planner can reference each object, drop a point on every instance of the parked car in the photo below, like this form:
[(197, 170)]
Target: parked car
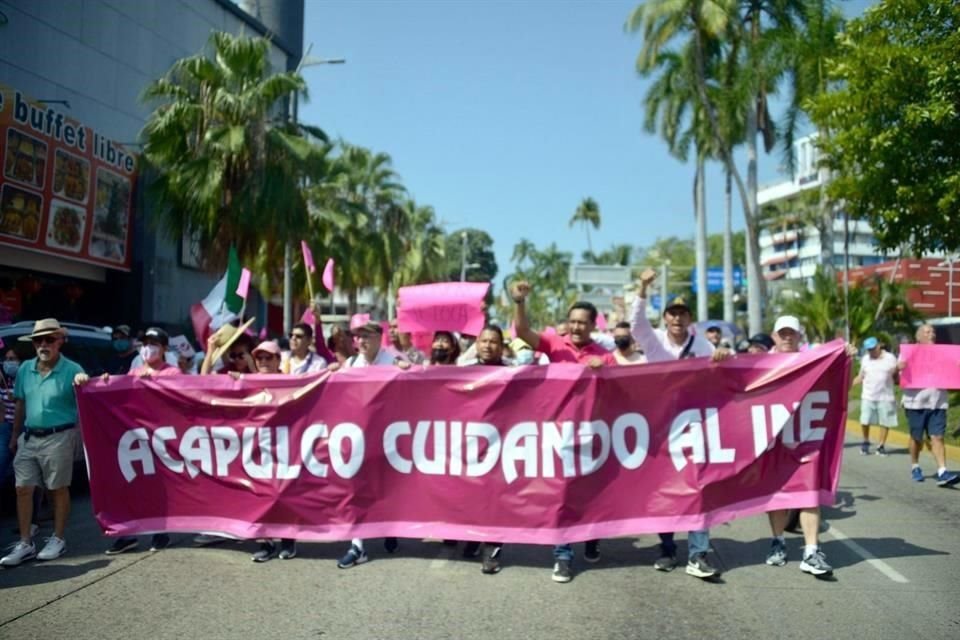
[(90, 347)]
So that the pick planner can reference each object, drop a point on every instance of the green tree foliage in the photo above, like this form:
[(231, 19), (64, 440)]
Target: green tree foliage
[(587, 214), (877, 306), (226, 169), (895, 122), (479, 252)]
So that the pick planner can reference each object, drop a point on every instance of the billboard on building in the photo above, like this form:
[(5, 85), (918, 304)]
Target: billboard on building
[(65, 189)]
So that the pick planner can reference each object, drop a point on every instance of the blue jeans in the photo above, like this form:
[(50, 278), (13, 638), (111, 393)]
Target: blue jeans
[(6, 456), (563, 552), (697, 542)]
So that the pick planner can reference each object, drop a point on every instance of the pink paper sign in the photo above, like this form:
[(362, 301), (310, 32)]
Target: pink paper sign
[(935, 366), (243, 287), (443, 306), (334, 456)]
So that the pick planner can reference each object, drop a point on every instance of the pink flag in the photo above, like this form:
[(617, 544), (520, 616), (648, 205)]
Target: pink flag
[(263, 333), (307, 257), (601, 321), (443, 306), (308, 317), (327, 278), (244, 287)]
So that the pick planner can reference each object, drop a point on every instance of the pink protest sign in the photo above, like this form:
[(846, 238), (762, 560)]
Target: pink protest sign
[(442, 306), (601, 321), (359, 319), (540, 455), (934, 366)]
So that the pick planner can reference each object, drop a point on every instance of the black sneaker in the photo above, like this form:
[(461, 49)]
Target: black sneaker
[(288, 549), (471, 550), (391, 544), (120, 545), (266, 551), (591, 552), (159, 542), (491, 559), (666, 562), (562, 571), (700, 568)]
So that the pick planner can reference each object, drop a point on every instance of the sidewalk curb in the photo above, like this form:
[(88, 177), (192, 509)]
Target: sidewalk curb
[(902, 439)]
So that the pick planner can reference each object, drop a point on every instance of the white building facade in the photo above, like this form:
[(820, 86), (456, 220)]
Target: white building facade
[(793, 251)]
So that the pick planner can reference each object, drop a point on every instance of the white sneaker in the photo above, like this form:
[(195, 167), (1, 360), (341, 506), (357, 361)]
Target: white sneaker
[(21, 551), (54, 548)]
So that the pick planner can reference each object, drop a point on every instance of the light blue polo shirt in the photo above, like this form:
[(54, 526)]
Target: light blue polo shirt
[(49, 400)]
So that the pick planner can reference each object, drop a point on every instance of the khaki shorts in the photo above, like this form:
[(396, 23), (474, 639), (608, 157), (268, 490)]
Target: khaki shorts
[(47, 461), (881, 414)]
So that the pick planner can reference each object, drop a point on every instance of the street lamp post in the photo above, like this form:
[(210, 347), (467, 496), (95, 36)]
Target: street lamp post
[(463, 256), (305, 61)]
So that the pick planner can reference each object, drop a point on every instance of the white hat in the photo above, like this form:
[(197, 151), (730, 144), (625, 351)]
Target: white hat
[(787, 322)]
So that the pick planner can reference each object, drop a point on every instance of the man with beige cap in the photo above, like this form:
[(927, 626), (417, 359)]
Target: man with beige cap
[(44, 437)]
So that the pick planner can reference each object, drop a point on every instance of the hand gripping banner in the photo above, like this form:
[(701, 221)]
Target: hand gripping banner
[(552, 454)]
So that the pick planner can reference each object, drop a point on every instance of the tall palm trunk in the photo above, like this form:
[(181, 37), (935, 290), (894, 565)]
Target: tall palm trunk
[(700, 192), (728, 311)]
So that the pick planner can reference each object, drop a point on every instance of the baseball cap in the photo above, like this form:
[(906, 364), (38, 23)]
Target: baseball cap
[(268, 346), (787, 322), (367, 327), (157, 334), (870, 343), (675, 303), (763, 340)]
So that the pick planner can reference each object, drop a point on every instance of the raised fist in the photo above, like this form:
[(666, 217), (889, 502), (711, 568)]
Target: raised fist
[(519, 291), (647, 277)]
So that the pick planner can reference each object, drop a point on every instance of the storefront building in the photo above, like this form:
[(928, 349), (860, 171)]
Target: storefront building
[(77, 236)]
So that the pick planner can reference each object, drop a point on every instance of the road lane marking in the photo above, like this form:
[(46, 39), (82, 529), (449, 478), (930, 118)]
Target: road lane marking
[(868, 557)]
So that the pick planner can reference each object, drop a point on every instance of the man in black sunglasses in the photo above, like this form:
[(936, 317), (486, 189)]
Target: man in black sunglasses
[(44, 437)]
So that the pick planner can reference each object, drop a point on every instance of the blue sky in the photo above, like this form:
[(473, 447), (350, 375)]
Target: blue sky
[(504, 115)]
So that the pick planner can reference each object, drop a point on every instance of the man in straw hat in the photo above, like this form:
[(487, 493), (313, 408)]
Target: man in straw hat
[(44, 437), (234, 343)]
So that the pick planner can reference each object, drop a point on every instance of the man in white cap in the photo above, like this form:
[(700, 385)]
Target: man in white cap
[(878, 403), (45, 437), (786, 337), (674, 342)]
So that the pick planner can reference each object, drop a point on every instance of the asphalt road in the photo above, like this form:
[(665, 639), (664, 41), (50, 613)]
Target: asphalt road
[(894, 544)]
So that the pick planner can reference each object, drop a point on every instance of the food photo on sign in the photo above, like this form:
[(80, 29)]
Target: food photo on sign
[(109, 238)]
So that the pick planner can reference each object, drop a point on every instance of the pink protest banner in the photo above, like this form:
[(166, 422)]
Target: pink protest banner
[(327, 278), (307, 257), (930, 366), (543, 455), (442, 306)]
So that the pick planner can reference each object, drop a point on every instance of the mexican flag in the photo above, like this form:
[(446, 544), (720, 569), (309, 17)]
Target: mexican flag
[(221, 306)]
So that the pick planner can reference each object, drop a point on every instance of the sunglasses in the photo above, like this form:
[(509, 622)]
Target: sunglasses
[(264, 357), (299, 336), (46, 340), (237, 355)]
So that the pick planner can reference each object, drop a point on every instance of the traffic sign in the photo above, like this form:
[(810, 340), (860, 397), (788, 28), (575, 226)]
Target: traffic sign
[(715, 279)]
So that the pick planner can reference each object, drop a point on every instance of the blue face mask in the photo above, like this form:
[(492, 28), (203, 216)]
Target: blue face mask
[(10, 368), (122, 345)]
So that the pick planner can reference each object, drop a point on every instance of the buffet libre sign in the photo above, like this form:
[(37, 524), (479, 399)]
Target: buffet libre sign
[(65, 189)]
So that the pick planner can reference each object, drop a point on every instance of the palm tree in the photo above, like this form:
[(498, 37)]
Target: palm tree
[(226, 169), (754, 29), (587, 214), (522, 251)]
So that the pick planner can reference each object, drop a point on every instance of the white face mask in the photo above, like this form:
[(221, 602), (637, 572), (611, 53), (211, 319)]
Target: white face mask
[(524, 356), (150, 352)]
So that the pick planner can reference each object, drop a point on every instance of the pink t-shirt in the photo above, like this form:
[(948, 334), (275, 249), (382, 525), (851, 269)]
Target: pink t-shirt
[(561, 349), (165, 370)]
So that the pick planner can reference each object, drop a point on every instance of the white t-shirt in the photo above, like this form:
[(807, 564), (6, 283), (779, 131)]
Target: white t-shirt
[(313, 363), (656, 344), (634, 358), (878, 377), (383, 357)]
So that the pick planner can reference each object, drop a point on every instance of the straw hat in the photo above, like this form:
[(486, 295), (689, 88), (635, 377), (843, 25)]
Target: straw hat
[(45, 327), (227, 335)]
